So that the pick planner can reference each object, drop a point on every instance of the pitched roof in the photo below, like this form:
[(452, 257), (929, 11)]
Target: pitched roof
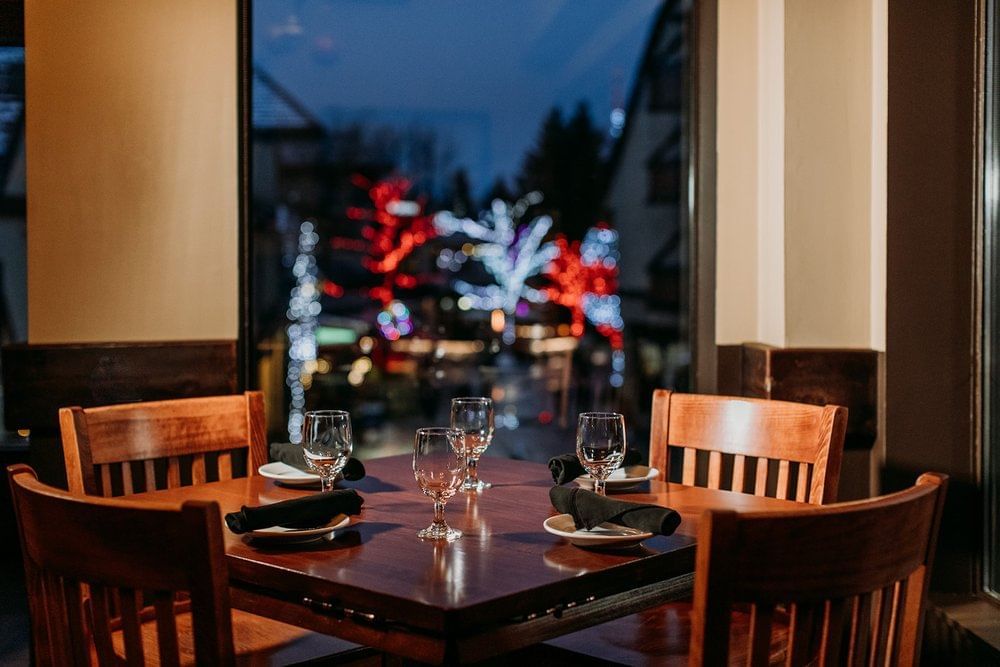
[(275, 108)]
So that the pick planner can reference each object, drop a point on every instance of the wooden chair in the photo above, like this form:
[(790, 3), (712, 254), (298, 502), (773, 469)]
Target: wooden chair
[(854, 577), (135, 447), (787, 450), (120, 550), (777, 448)]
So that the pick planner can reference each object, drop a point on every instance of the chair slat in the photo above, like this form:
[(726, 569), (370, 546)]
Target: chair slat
[(131, 625), (739, 469), (100, 624), (898, 616), (106, 489), (173, 472), (861, 620), (832, 634), (881, 623), (149, 466), (198, 469), (760, 633), (760, 478), (225, 465), (166, 629), (55, 608), (77, 633), (714, 470), (127, 478), (802, 484), (690, 466), (782, 490), (800, 633)]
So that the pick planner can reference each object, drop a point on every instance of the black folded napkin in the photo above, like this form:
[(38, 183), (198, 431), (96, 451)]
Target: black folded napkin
[(308, 512), (589, 509), (567, 467), (291, 454)]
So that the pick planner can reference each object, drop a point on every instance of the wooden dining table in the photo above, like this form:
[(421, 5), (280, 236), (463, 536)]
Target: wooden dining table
[(504, 585)]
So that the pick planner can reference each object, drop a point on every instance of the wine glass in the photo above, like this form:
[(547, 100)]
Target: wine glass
[(439, 466), (600, 445), (474, 418), (327, 443)]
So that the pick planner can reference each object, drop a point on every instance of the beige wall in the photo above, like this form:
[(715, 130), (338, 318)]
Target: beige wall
[(801, 201), (132, 173)]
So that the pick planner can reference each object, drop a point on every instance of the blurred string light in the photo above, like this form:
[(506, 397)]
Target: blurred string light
[(395, 226), (303, 311), (510, 251), (585, 280)]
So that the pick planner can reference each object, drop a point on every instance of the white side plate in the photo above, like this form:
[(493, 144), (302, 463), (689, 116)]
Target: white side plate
[(282, 534), (606, 534), (286, 474), (621, 479)]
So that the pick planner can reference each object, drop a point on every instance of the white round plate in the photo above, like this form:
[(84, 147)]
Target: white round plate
[(621, 479), (604, 535), (282, 534), (286, 474)]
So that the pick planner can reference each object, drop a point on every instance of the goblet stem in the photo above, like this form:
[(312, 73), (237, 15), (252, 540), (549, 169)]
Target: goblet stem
[(599, 486), (472, 472), (326, 483), (439, 514)]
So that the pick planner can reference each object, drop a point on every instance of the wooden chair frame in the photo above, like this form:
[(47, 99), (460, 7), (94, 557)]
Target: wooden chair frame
[(84, 557), (806, 439), (855, 576), (100, 445)]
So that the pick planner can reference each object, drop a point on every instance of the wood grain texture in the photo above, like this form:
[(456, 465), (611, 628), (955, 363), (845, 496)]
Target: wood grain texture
[(742, 427), (817, 563), (70, 542), (816, 376), (40, 379), (805, 438), (466, 598), (181, 432)]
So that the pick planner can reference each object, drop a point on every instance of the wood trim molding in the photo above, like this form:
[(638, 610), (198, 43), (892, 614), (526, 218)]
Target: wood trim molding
[(818, 376)]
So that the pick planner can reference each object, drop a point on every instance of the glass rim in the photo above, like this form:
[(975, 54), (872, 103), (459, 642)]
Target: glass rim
[(601, 415), (439, 430), (472, 399), (327, 413)]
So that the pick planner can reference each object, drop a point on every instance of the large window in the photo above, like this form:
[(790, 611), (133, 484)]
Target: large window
[(454, 198)]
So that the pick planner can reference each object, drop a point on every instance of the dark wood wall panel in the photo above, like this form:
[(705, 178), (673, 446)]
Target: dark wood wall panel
[(818, 376), (39, 379), (932, 195)]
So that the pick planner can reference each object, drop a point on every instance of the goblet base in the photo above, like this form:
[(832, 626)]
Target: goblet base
[(470, 486), (439, 531)]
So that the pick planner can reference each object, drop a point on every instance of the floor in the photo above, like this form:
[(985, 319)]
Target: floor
[(13, 615)]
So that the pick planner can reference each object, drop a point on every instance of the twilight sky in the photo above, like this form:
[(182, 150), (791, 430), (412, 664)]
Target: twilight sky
[(483, 73)]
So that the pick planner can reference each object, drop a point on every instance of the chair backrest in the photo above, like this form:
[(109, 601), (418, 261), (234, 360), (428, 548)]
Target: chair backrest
[(122, 449), (854, 576), (123, 552), (788, 450)]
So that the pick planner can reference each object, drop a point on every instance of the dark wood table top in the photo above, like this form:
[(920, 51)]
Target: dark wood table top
[(504, 570)]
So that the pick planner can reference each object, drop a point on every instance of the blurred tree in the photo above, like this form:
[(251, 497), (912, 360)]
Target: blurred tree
[(567, 166), (459, 199)]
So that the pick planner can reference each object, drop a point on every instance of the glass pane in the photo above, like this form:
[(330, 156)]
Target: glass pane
[(455, 198), (13, 235)]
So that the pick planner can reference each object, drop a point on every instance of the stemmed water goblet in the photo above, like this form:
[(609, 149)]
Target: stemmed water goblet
[(327, 443), (473, 416), (439, 467), (600, 445)]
